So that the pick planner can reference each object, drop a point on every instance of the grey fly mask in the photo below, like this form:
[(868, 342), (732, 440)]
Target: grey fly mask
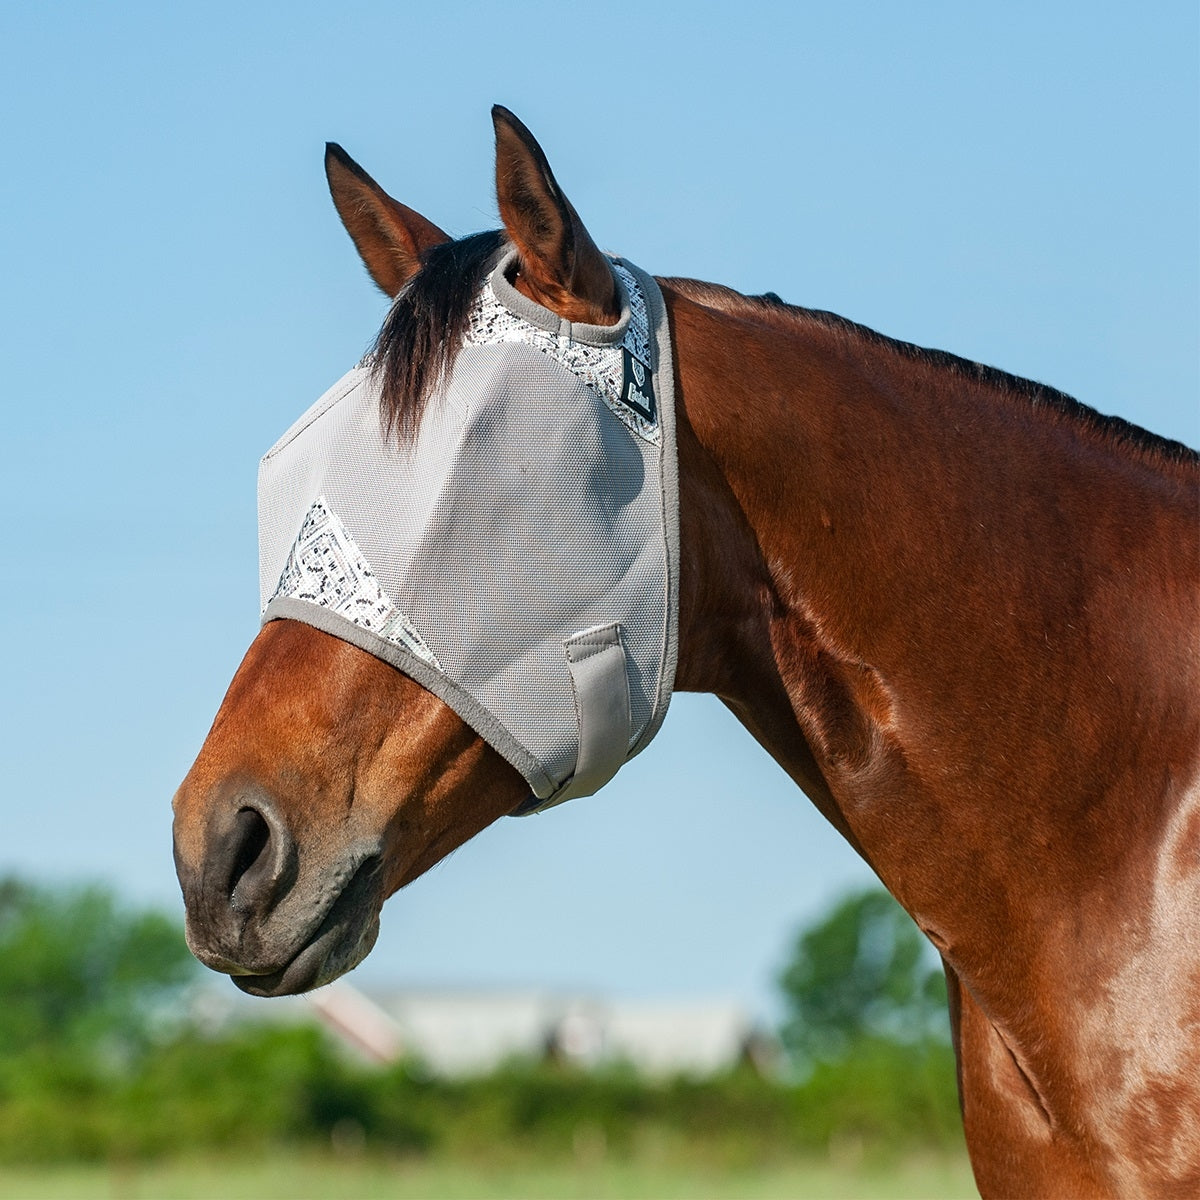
[(520, 556)]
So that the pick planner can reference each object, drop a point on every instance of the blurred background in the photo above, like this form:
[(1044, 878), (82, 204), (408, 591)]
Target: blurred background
[(1017, 185)]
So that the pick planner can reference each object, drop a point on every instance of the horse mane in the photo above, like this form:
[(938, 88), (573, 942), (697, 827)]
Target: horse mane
[(425, 327), (769, 306)]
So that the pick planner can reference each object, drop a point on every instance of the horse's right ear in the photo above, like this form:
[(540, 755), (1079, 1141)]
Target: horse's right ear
[(560, 268), (390, 237)]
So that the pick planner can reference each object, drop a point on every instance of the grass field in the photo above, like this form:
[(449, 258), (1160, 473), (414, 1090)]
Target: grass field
[(311, 1178)]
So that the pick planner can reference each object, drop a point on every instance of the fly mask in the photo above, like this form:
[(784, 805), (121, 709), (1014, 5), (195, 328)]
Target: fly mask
[(519, 556)]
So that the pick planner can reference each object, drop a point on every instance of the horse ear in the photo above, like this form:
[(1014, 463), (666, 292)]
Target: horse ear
[(390, 237), (561, 267)]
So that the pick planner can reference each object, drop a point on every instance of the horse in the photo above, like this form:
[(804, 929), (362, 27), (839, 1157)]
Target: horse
[(958, 607)]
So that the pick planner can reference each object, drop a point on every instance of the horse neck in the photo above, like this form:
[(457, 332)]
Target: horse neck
[(934, 605)]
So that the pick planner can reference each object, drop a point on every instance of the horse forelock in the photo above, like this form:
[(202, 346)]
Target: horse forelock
[(424, 329), (771, 308)]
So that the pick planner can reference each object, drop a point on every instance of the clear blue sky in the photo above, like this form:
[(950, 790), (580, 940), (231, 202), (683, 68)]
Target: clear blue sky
[(1016, 183)]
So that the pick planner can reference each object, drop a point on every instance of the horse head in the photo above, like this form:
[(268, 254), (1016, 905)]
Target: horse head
[(330, 778)]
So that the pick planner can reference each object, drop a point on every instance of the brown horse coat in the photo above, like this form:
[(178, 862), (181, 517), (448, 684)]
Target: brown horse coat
[(959, 609)]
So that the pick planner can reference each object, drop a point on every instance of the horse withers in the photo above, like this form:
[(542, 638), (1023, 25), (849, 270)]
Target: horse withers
[(960, 609)]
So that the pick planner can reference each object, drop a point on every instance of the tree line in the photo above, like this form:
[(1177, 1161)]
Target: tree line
[(99, 1059)]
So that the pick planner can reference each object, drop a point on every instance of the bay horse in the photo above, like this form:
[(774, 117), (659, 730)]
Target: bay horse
[(959, 608)]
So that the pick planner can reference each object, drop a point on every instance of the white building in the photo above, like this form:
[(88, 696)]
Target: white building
[(463, 1032)]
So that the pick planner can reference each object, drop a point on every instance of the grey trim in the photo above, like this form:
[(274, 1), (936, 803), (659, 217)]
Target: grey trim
[(664, 375), (480, 719), (543, 318)]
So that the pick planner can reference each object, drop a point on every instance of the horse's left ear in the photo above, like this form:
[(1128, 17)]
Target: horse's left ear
[(390, 236), (561, 267)]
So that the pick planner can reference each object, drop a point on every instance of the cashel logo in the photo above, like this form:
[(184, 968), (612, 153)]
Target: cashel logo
[(637, 389)]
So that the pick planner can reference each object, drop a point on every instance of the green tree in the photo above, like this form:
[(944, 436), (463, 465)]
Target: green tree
[(863, 971), (79, 973)]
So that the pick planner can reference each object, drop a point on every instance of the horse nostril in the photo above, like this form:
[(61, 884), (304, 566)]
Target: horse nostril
[(262, 858), (250, 837)]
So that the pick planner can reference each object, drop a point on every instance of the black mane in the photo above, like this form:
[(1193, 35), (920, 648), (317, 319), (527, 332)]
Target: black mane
[(425, 327)]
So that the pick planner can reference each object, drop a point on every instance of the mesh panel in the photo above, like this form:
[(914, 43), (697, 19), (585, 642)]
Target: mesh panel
[(525, 511)]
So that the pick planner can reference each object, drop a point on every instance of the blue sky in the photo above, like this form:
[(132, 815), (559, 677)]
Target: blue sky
[(1016, 183)]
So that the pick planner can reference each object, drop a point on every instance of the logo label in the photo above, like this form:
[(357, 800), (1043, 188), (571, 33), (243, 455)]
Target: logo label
[(637, 387)]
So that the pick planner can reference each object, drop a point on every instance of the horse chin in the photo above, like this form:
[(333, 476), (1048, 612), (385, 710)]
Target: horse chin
[(333, 952), (338, 943)]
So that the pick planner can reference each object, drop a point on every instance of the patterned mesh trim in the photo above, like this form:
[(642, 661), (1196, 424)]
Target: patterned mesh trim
[(326, 568), (600, 367)]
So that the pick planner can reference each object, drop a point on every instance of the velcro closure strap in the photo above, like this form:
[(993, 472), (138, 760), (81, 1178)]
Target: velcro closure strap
[(600, 680)]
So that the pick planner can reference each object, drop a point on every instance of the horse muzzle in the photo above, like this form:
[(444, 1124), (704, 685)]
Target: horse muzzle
[(276, 920)]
